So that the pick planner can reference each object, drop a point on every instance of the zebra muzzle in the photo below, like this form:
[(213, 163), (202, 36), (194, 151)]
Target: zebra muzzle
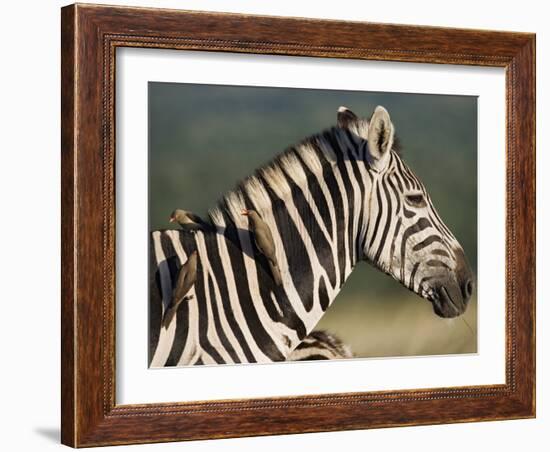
[(448, 301)]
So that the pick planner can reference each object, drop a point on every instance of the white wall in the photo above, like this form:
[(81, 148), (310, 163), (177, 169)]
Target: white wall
[(29, 175)]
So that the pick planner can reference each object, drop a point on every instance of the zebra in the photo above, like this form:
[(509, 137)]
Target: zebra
[(337, 197)]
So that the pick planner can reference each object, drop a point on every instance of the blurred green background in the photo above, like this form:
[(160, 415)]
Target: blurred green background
[(204, 138)]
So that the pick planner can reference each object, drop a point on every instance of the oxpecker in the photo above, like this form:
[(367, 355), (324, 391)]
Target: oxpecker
[(188, 221), (264, 242), (186, 278)]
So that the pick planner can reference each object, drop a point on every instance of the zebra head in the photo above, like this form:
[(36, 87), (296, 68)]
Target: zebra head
[(404, 236)]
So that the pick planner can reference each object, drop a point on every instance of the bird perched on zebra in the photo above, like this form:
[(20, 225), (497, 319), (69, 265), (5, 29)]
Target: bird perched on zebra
[(187, 275), (189, 221), (264, 242)]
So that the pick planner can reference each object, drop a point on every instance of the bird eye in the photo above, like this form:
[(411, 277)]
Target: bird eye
[(416, 200)]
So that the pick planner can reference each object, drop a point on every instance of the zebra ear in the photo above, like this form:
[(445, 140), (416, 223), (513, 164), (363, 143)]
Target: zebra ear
[(345, 117), (380, 138)]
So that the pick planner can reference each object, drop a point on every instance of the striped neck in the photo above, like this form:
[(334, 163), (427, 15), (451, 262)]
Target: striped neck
[(312, 198)]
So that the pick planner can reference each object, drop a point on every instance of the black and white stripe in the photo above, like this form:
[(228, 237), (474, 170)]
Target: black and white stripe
[(332, 200), (320, 345)]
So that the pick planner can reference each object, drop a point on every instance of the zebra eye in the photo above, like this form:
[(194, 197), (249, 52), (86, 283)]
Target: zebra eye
[(416, 200)]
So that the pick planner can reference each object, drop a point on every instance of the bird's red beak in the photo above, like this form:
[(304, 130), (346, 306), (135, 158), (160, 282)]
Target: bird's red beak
[(244, 212)]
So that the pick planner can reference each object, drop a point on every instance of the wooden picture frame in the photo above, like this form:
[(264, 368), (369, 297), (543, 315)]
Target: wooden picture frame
[(90, 36)]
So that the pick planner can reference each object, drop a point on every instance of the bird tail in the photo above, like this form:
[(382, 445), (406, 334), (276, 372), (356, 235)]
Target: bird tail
[(168, 317), (172, 310), (276, 273)]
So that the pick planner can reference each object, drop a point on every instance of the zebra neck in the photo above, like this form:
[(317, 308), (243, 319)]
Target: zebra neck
[(311, 198)]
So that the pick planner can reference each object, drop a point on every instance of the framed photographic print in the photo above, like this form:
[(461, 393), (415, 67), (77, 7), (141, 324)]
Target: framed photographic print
[(281, 225)]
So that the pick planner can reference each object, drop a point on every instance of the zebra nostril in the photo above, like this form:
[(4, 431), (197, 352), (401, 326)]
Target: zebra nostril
[(467, 289)]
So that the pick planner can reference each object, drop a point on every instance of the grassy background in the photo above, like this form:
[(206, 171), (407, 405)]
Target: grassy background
[(205, 138)]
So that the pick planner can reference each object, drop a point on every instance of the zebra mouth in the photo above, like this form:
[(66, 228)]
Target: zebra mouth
[(444, 305)]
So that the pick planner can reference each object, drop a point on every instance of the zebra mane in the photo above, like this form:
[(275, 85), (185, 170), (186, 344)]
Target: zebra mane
[(275, 174)]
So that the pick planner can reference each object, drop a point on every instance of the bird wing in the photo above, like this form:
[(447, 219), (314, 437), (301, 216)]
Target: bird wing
[(195, 218), (276, 273), (179, 289), (264, 242), (186, 279)]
